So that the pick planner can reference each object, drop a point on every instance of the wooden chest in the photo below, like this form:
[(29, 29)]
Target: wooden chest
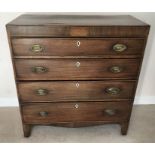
[(76, 70)]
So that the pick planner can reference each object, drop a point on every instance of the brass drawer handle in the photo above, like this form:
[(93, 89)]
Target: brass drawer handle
[(119, 48), (116, 69), (113, 90), (41, 92), (36, 48), (43, 113), (110, 112), (39, 69)]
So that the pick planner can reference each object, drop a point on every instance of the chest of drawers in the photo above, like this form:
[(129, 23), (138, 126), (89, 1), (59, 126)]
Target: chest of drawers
[(76, 70)]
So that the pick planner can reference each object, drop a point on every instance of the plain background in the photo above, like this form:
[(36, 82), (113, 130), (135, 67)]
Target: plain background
[(145, 92)]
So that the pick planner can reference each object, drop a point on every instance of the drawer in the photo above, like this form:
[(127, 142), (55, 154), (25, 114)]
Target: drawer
[(76, 111), (52, 30), (75, 90), (76, 69), (77, 46)]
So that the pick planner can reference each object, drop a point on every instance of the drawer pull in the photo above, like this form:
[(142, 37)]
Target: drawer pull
[(78, 43), (119, 48), (43, 113), (76, 106), (113, 90), (116, 69), (77, 64), (36, 48), (110, 112), (39, 69), (42, 92)]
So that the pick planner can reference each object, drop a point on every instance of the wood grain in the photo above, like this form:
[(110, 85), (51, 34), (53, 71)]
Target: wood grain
[(66, 69), (68, 90), (77, 26), (68, 46), (66, 112), (76, 19), (58, 34)]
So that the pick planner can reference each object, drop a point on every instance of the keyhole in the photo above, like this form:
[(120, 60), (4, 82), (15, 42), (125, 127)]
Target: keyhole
[(77, 85), (76, 106), (77, 64), (78, 43)]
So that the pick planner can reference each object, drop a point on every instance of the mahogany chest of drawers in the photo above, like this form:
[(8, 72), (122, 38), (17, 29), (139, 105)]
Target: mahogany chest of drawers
[(76, 70)]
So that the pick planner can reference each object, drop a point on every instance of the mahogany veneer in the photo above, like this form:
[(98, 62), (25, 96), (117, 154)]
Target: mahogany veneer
[(76, 70)]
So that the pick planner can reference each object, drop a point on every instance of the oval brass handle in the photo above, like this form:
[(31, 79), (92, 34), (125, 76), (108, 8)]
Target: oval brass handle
[(113, 90), (110, 112), (36, 48), (41, 92), (39, 69), (116, 69), (43, 113), (119, 48)]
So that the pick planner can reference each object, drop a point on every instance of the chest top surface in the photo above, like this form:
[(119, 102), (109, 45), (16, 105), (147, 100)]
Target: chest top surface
[(81, 20), (58, 25)]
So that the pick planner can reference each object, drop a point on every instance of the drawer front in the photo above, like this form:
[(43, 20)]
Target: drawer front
[(76, 47), (77, 111), (75, 90), (74, 69), (78, 31)]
